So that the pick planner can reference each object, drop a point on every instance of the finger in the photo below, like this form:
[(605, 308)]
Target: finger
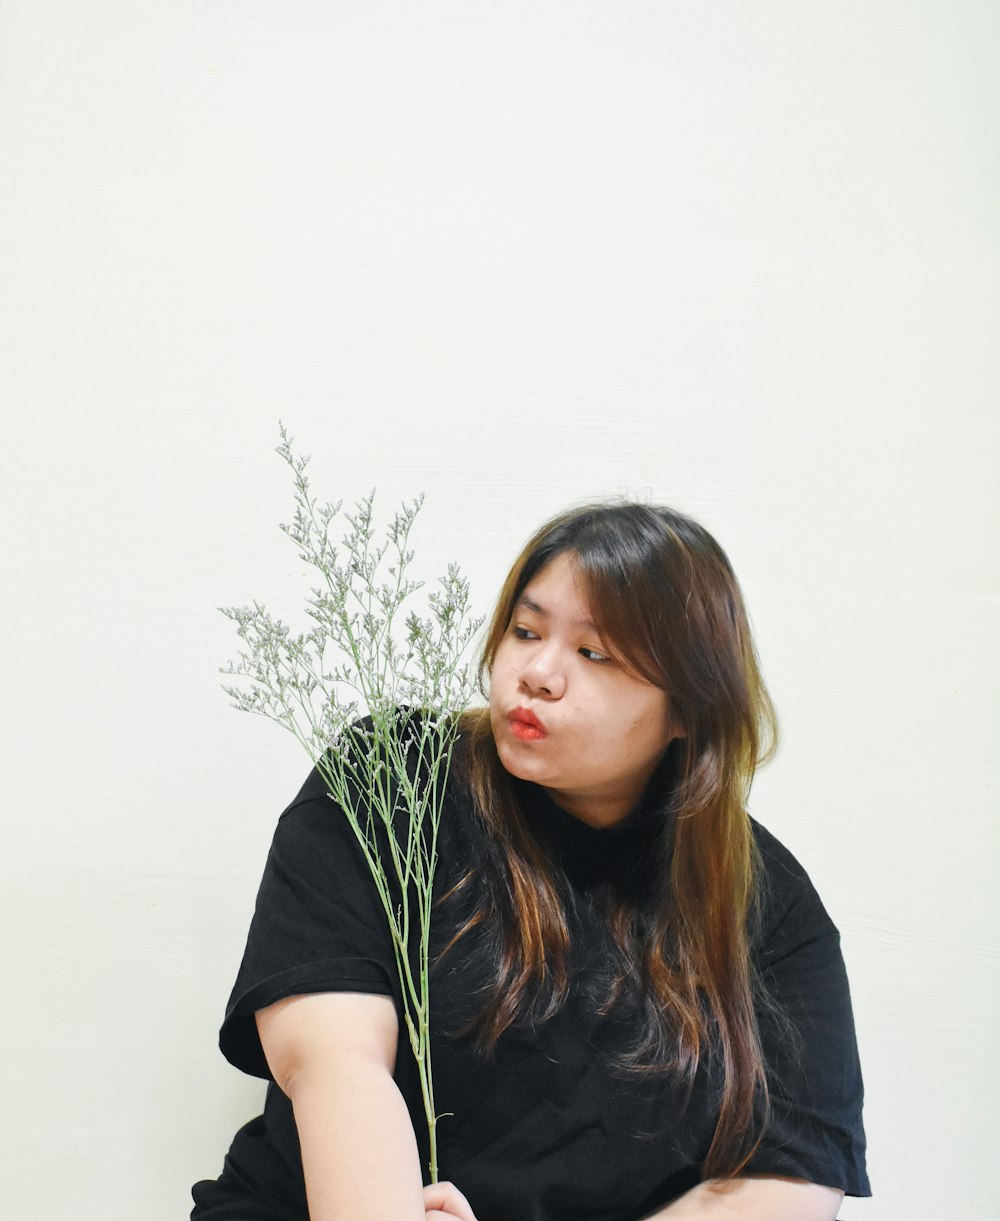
[(446, 1199)]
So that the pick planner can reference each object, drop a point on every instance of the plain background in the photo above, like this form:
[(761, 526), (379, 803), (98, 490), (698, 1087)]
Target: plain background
[(740, 257)]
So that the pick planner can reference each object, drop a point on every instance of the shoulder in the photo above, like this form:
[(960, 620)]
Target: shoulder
[(311, 823), (388, 764), (790, 913), (328, 827), (782, 875)]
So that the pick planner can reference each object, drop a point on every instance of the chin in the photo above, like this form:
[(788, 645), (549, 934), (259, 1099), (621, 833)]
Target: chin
[(517, 765)]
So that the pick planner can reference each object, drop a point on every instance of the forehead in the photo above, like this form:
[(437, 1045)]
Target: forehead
[(557, 592)]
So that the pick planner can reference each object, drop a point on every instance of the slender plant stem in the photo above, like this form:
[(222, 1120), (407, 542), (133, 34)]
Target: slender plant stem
[(372, 692)]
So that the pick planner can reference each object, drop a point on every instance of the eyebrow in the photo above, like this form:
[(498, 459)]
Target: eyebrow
[(527, 603)]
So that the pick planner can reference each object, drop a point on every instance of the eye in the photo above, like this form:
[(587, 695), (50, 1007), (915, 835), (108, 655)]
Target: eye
[(523, 633), (594, 656)]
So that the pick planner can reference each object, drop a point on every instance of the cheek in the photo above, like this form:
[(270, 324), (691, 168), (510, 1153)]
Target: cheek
[(651, 726), (499, 681), (501, 660)]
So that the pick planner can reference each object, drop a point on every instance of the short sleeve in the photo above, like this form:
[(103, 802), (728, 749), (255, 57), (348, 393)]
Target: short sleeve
[(815, 1129), (318, 925)]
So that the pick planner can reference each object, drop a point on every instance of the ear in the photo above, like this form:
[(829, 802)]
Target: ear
[(675, 726)]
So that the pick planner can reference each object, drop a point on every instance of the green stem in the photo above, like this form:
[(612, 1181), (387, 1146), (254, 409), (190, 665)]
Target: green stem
[(360, 618)]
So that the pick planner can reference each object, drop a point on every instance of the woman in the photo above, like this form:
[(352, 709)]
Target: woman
[(639, 1008)]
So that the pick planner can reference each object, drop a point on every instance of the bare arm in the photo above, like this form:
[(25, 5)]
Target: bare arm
[(333, 1054), (754, 1199)]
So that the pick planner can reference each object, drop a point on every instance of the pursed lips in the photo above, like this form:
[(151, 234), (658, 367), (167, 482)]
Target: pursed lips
[(525, 725)]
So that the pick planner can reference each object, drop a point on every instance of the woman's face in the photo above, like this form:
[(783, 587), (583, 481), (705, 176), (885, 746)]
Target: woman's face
[(567, 715)]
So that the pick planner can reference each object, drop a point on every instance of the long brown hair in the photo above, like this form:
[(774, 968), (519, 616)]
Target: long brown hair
[(664, 597)]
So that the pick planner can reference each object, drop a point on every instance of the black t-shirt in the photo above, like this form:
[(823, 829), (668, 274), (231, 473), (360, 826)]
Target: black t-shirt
[(547, 1128)]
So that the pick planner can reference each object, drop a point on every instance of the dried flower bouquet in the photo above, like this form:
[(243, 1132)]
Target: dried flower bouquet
[(373, 692)]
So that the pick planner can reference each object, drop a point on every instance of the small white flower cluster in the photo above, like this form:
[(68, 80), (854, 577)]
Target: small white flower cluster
[(372, 691)]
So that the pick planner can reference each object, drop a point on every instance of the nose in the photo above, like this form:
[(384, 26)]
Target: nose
[(543, 676)]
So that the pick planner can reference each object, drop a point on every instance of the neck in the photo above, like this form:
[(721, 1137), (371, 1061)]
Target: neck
[(596, 812)]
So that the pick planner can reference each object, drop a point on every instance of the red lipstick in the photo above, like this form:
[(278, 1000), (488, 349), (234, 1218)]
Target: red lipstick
[(525, 725)]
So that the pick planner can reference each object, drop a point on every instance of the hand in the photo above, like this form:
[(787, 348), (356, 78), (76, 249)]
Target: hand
[(444, 1202)]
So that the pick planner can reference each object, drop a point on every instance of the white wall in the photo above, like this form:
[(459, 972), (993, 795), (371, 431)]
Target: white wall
[(741, 257)]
